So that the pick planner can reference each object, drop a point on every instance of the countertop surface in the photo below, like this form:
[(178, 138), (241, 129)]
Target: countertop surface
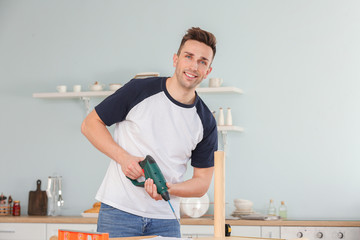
[(184, 221)]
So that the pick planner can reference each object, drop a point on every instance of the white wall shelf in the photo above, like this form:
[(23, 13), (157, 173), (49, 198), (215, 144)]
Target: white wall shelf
[(107, 93), (73, 94), (225, 128)]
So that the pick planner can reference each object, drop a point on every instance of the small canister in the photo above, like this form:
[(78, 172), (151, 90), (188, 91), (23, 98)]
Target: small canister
[(16, 208)]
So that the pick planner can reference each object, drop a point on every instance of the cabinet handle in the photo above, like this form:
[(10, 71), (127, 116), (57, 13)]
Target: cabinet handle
[(7, 231), (299, 234)]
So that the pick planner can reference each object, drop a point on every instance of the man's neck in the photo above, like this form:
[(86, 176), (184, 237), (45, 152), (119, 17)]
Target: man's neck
[(179, 93)]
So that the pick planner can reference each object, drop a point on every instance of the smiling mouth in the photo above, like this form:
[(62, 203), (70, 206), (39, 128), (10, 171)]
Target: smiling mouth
[(190, 75)]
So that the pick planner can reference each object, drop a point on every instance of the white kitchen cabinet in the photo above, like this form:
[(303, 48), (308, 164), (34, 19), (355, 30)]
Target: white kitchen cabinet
[(197, 231), (323, 233), (52, 228), (22, 231), (207, 231), (246, 231), (270, 232)]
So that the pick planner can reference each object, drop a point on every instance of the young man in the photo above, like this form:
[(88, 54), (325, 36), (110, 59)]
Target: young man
[(166, 119)]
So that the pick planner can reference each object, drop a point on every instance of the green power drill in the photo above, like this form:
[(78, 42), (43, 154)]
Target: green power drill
[(152, 170)]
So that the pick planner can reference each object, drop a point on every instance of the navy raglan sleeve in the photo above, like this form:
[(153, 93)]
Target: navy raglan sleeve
[(203, 155), (116, 107)]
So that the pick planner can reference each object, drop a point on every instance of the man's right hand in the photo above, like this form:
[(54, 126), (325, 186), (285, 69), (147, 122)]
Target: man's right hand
[(131, 168)]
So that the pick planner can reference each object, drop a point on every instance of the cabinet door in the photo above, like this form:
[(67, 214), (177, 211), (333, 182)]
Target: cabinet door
[(197, 231), (246, 231), (22, 231), (270, 232), (52, 229)]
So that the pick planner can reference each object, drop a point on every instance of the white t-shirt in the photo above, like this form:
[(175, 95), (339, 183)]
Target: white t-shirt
[(150, 122)]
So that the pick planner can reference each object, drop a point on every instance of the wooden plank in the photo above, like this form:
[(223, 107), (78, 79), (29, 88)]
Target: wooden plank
[(219, 194)]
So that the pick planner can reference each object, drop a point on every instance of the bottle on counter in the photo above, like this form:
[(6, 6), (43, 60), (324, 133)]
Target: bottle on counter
[(271, 209), (16, 208), (228, 117), (221, 117), (283, 210)]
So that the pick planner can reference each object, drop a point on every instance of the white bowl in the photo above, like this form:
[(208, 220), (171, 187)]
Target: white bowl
[(114, 86), (242, 200), (194, 207), (243, 205), (96, 87)]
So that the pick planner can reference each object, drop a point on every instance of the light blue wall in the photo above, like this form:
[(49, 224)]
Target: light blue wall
[(297, 62)]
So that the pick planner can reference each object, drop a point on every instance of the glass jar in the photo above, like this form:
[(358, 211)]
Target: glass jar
[(16, 208)]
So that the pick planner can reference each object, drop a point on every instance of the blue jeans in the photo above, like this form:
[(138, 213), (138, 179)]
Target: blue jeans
[(122, 224)]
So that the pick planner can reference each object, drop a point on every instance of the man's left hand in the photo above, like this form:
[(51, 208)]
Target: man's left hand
[(151, 189)]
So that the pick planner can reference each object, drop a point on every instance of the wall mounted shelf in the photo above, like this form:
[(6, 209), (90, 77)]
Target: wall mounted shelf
[(107, 93)]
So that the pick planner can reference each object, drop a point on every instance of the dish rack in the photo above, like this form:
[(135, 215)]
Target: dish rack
[(5, 210)]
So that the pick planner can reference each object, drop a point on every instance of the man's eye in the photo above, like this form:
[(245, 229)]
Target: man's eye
[(203, 62), (188, 56)]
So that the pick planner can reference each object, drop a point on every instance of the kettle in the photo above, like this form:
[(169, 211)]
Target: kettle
[(54, 194)]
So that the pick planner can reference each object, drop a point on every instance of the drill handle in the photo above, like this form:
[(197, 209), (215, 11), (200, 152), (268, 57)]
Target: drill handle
[(136, 183), (142, 165)]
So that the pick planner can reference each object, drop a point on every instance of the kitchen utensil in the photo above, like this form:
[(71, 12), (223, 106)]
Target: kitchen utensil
[(60, 202), (77, 88), (54, 194), (97, 86), (215, 82), (37, 201), (152, 170), (243, 205), (61, 88)]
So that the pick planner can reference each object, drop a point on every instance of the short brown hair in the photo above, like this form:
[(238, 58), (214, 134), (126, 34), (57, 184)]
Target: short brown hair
[(196, 33)]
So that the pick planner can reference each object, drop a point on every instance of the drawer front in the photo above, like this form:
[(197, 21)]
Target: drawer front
[(22, 231), (52, 229), (196, 231), (246, 231), (270, 232)]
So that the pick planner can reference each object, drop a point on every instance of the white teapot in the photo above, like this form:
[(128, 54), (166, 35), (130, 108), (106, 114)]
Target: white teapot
[(97, 86)]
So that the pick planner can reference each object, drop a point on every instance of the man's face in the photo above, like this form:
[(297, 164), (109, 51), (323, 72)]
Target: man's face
[(193, 64)]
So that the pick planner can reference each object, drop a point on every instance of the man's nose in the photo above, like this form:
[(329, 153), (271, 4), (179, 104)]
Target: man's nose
[(194, 65)]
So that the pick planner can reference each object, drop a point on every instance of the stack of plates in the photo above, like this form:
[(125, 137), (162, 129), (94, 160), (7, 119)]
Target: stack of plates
[(243, 207)]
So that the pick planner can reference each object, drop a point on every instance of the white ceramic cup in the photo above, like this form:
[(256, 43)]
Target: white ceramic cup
[(61, 88), (77, 88), (215, 82)]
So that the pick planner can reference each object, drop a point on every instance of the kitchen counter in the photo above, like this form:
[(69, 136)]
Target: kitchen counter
[(184, 221)]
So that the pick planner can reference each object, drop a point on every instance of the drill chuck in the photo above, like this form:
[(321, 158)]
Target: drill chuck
[(165, 195)]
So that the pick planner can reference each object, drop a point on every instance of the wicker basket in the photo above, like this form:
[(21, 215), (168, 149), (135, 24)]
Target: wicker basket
[(5, 210)]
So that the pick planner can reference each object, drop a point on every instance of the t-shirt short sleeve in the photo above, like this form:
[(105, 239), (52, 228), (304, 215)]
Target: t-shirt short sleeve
[(116, 107), (203, 155)]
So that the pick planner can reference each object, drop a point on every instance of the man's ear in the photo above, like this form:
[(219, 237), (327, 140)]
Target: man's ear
[(175, 59), (208, 72)]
